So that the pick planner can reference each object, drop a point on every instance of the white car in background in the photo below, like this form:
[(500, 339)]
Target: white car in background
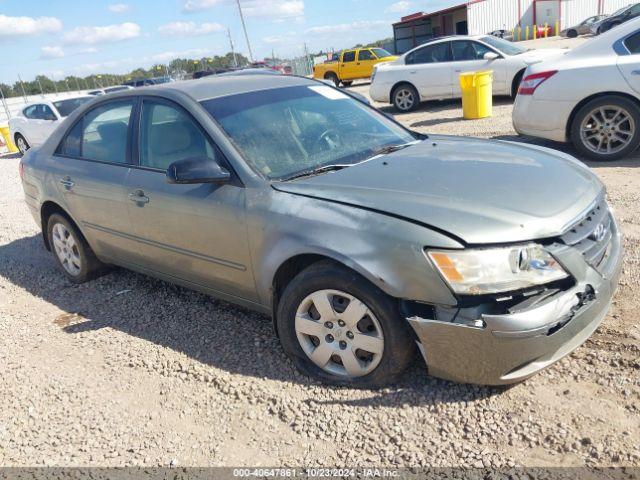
[(35, 121), (106, 90), (431, 71), (590, 96)]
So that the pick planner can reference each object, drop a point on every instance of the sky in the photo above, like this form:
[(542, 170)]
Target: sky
[(72, 37)]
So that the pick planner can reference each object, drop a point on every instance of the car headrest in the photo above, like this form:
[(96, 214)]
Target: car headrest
[(171, 137), (113, 132)]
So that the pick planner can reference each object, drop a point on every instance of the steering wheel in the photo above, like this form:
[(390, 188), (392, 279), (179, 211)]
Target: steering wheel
[(330, 138)]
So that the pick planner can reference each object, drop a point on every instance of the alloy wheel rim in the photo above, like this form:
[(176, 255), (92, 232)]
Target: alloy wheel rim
[(339, 333), (66, 249), (404, 99), (22, 145), (607, 130)]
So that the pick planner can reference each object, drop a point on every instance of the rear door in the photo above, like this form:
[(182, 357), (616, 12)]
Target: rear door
[(90, 171), (468, 56), (348, 66), (429, 69), (629, 64), (192, 232)]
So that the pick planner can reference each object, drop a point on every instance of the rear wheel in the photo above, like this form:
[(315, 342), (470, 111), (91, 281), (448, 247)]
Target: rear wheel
[(22, 144), (405, 98), (338, 327), (607, 128), (333, 77), (72, 252), (572, 33)]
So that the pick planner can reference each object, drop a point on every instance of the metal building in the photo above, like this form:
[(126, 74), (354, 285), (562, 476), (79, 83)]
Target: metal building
[(483, 16)]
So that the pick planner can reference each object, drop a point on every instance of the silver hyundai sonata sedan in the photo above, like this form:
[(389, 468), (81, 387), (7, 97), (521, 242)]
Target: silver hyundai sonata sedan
[(363, 240)]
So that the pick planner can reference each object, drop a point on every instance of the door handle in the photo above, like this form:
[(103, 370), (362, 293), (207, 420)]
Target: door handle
[(138, 196), (358, 63), (67, 183), (635, 72), (458, 71), (413, 71)]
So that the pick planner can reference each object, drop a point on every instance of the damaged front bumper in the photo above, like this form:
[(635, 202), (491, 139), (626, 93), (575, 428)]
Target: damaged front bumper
[(511, 345)]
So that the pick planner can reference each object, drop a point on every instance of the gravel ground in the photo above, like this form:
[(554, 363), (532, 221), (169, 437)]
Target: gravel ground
[(128, 370)]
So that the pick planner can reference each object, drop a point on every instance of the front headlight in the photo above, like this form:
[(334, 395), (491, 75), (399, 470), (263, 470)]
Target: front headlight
[(493, 270)]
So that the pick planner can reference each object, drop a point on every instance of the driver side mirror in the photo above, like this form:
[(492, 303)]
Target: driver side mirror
[(491, 56), (197, 170)]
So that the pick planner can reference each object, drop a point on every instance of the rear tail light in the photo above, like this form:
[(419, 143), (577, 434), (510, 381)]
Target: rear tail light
[(531, 82)]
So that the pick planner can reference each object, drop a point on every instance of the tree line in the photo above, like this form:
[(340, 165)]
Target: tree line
[(178, 67)]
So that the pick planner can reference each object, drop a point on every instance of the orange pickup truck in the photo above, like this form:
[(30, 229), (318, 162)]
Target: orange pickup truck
[(351, 65)]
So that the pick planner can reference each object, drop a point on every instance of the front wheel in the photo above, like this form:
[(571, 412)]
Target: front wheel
[(336, 326), (572, 34), (22, 144), (406, 98), (606, 128), (333, 77)]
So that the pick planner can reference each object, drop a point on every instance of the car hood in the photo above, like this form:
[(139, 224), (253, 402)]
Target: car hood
[(479, 191)]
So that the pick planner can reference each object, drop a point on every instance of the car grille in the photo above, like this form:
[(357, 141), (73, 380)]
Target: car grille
[(587, 235)]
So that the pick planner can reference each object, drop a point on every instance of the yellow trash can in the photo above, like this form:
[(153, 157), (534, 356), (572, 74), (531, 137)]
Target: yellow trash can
[(7, 139), (477, 94)]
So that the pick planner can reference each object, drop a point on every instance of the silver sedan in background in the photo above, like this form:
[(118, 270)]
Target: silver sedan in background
[(360, 238)]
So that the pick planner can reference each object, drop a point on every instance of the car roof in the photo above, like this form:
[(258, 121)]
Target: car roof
[(223, 85)]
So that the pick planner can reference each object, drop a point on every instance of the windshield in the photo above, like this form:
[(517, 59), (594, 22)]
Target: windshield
[(285, 131), (65, 107), (506, 47), (380, 52)]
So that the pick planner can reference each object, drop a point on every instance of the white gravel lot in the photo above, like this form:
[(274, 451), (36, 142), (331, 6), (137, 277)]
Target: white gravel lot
[(128, 370)]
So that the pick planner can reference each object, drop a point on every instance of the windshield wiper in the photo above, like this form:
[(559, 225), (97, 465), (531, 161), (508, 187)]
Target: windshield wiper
[(317, 171), (390, 149)]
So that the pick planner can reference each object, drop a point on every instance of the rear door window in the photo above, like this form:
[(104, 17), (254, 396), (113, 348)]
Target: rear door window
[(349, 56), (633, 43), (101, 134), (439, 52)]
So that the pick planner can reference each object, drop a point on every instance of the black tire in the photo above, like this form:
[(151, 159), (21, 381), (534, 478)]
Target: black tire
[(347, 84), (333, 77), (572, 33), (21, 143), (398, 347), (613, 101), (90, 267), (516, 84), (405, 98)]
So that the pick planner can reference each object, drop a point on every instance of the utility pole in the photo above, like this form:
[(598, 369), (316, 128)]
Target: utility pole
[(244, 27), (41, 91), (24, 94), (4, 104), (233, 52)]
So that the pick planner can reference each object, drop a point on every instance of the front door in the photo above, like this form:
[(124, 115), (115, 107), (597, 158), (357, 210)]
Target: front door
[(191, 232), (365, 63), (468, 56), (91, 175)]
